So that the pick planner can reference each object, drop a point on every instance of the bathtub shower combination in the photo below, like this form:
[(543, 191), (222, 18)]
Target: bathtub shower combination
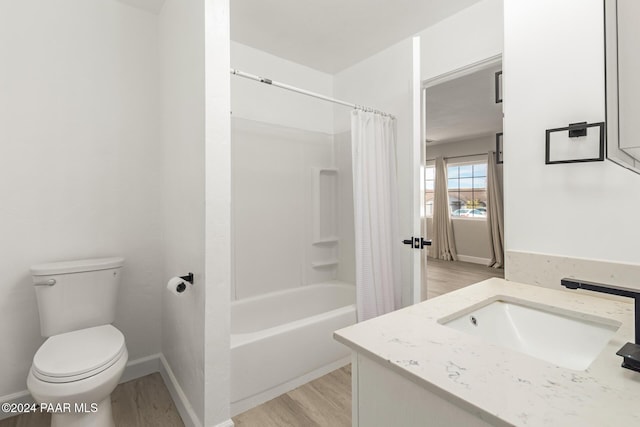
[(284, 339), (293, 256)]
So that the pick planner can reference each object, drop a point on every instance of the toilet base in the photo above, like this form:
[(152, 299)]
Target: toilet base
[(100, 416)]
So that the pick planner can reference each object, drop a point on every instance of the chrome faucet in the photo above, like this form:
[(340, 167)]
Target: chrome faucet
[(630, 352)]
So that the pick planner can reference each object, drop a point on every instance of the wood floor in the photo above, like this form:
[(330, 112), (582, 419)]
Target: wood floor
[(143, 402), (447, 276), (325, 402)]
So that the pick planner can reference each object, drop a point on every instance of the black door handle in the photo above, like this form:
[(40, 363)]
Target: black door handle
[(417, 242)]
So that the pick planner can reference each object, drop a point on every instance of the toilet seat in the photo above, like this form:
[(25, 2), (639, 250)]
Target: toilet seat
[(77, 355)]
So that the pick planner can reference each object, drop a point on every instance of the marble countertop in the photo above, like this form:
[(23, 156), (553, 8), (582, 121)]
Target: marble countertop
[(502, 386)]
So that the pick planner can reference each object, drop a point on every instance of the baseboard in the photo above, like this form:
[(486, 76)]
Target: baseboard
[(258, 399), (228, 423), (141, 367), (188, 415), (19, 397), (135, 369), (473, 259)]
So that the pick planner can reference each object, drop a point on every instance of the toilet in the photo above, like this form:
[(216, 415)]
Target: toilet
[(75, 370)]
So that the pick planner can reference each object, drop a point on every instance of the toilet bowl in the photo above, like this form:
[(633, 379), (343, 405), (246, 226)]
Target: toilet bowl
[(75, 370), (74, 373)]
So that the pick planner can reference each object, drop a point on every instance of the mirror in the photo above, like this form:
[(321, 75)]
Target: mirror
[(622, 35)]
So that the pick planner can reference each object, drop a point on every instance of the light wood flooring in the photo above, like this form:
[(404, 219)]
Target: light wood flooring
[(325, 402), (446, 276), (143, 402)]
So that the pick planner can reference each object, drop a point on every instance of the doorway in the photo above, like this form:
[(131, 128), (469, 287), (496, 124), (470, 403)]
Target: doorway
[(463, 126)]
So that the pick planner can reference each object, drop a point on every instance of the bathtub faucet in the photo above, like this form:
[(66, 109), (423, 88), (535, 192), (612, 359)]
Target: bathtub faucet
[(630, 352)]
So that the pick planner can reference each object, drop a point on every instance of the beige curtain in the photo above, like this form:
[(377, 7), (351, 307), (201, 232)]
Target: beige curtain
[(443, 246), (495, 217)]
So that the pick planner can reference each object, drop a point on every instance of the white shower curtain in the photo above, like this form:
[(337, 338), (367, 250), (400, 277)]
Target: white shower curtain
[(375, 194)]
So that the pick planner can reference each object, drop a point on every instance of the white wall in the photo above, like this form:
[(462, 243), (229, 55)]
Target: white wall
[(182, 46), (471, 35), (217, 367), (580, 210), (259, 102), (79, 162), (467, 147), (383, 81)]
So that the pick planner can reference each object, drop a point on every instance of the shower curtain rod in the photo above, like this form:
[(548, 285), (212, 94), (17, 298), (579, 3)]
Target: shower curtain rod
[(306, 92)]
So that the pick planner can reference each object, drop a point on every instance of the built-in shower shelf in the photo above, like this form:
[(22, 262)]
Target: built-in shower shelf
[(324, 264), (325, 204), (326, 241)]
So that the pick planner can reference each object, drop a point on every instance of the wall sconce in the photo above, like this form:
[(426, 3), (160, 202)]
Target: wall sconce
[(579, 144), (499, 138)]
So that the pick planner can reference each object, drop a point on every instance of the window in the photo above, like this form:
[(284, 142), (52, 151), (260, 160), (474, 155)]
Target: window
[(467, 186), (429, 186)]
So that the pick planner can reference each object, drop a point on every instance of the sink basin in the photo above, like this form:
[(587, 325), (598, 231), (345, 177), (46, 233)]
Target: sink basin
[(565, 338)]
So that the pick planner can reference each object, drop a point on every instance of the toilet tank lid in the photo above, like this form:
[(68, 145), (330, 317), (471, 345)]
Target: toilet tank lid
[(76, 266)]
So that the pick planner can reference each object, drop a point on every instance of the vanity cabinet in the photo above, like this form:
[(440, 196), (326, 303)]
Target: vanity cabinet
[(383, 398), (410, 369)]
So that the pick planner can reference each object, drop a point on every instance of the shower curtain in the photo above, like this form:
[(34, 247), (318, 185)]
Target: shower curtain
[(375, 193)]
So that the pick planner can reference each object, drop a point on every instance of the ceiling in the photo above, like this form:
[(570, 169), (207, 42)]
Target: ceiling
[(463, 108), (331, 35)]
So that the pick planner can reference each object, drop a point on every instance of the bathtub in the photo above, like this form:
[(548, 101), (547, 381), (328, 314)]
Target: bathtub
[(284, 339)]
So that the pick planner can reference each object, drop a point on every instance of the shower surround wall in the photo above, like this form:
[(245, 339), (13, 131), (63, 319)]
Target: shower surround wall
[(273, 171), (286, 177)]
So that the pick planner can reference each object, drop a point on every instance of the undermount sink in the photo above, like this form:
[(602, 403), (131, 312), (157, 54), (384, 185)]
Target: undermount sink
[(565, 338)]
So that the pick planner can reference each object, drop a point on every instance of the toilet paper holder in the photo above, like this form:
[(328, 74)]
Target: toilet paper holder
[(188, 278), (182, 287)]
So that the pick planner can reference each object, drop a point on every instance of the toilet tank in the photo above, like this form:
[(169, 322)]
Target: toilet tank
[(75, 295)]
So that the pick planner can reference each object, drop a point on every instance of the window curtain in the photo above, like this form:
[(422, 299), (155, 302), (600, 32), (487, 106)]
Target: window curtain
[(443, 244), (375, 193), (495, 218)]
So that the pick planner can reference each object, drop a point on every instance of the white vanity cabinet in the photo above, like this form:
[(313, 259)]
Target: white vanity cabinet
[(411, 368), (383, 398)]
